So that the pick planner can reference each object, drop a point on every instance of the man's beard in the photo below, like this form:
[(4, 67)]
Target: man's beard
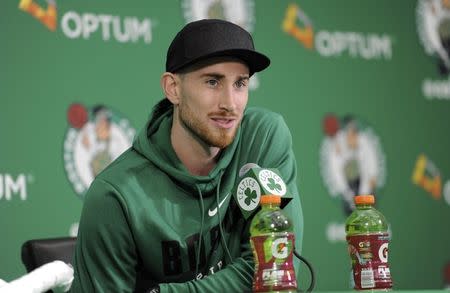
[(209, 135)]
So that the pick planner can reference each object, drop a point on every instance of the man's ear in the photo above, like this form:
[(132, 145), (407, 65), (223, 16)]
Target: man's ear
[(170, 84)]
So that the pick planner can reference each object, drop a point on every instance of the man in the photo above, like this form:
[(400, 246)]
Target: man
[(161, 218)]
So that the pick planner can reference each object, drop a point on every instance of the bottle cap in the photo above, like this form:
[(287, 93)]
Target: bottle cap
[(269, 198), (365, 199)]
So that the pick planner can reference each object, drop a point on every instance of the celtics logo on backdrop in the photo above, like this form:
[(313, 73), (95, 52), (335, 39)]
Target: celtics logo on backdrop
[(96, 136), (433, 24), (433, 27), (351, 159), (351, 162), (240, 12)]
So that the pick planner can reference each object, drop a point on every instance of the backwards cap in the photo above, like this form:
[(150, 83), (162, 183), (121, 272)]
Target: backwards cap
[(203, 39)]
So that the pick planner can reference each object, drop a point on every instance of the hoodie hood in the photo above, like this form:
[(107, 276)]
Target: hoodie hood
[(153, 142)]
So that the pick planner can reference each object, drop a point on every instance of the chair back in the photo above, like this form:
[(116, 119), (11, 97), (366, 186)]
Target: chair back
[(37, 252)]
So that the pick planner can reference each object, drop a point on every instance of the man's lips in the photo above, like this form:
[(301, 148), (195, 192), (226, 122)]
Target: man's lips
[(224, 122)]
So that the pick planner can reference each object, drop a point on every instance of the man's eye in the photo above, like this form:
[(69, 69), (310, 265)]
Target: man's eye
[(212, 82), (241, 83)]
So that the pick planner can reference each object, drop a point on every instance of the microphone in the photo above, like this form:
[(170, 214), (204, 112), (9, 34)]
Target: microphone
[(257, 181)]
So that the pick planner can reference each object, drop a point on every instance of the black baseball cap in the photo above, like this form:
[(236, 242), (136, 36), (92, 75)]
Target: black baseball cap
[(203, 39)]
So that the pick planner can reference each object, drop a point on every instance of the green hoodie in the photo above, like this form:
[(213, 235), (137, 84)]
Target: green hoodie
[(147, 222)]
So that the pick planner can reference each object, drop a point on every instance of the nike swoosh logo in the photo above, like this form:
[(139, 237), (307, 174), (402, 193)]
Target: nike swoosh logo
[(213, 212)]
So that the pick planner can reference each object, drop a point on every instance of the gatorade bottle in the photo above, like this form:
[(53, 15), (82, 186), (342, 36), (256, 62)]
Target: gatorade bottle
[(272, 241), (368, 240)]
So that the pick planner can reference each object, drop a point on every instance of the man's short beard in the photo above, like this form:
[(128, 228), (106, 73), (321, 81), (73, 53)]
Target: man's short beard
[(215, 138)]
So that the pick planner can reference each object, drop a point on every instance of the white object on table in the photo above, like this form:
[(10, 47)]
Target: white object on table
[(53, 275), (2, 283)]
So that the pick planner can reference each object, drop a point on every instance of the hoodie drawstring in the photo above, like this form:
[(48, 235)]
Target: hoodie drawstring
[(221, 231), (222, 235), (202, 208)]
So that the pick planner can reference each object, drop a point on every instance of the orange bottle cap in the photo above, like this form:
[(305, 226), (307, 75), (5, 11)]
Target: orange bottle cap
[(270, 198), (365, 199)]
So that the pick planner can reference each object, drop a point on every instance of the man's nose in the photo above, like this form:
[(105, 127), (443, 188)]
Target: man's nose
[(228, 99)]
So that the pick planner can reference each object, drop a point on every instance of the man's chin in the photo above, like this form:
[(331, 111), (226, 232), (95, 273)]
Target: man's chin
[(222, 142)]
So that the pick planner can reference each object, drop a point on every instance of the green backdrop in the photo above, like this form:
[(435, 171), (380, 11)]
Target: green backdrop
[(377, 67)]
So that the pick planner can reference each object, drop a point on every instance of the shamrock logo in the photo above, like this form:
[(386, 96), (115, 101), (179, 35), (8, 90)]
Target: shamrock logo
[(250, 196), (273, 185), (272, 182), (248, 193)]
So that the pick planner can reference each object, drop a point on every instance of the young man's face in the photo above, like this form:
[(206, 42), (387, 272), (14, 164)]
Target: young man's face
[(212, 101)]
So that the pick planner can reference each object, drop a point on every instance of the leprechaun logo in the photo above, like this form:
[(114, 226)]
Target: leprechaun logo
[(96, 136), (351, 159), (239, 12), (433, 25)]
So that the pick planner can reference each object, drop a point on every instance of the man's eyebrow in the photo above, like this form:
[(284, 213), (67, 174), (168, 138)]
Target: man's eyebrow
[(213, 75), (221, 76), (244, 76)]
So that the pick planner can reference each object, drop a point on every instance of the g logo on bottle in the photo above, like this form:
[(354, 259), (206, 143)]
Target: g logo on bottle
[(280, 248), (383, 252)]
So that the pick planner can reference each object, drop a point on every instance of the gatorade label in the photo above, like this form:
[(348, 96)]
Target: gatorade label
[(274, 268), (369, 255)]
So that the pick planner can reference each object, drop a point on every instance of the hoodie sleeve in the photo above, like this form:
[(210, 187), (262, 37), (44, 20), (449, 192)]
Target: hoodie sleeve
[(273, 148), (235, 277), (105, 256)]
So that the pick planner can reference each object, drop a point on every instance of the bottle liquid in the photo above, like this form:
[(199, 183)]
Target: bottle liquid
[(272, 241), (368, 240)]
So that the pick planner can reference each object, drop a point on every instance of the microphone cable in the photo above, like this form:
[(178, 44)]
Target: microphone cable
[(312, 284)]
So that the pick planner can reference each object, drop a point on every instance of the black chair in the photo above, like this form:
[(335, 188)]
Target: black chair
[(37, 252)]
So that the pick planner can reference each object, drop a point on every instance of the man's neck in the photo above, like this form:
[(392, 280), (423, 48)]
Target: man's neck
[(198, 158)]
